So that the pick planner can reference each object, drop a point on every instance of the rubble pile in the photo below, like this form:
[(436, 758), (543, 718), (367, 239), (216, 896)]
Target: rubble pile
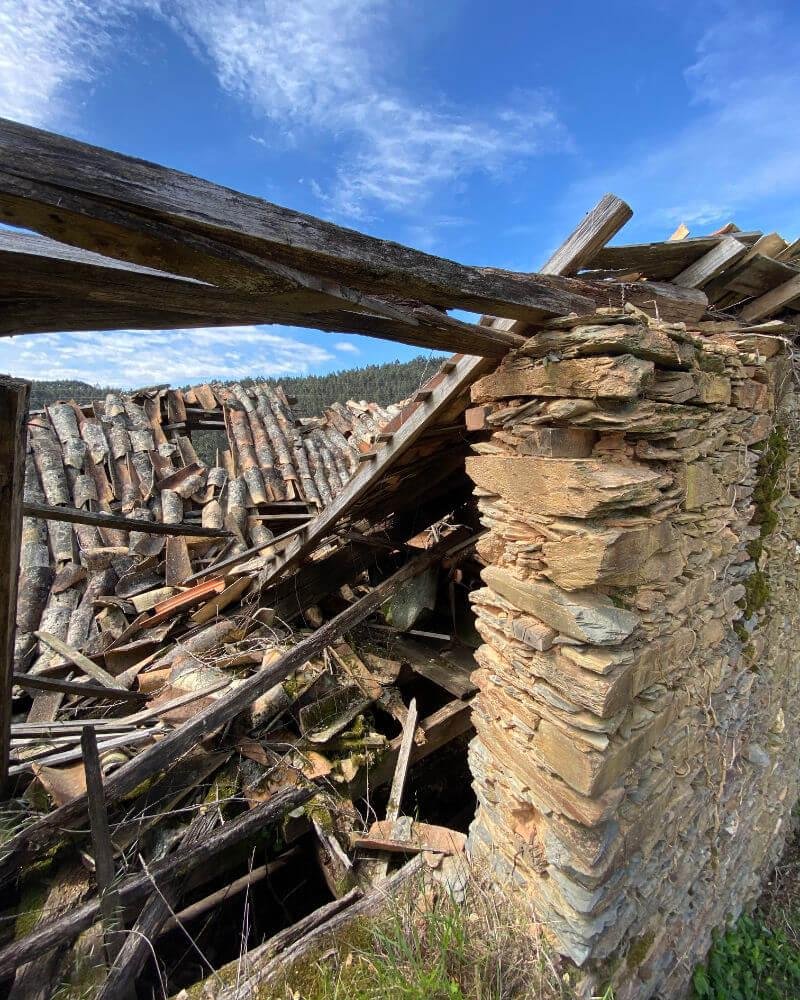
[(134, 456), (637, 741)]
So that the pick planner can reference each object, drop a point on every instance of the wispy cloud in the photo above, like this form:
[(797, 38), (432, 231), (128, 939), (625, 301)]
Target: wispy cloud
[(347, 346), (47, 49), (306, 68), (318, 65), (739, 148), (129, 358)]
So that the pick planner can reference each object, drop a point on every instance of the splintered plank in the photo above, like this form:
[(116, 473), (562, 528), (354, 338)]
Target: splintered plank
[(14, 395), (78, 659), (591, 234), (157, 217)]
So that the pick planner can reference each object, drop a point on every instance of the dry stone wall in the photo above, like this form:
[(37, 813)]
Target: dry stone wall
[(636, 757)]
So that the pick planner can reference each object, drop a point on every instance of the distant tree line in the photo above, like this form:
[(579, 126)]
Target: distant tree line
[(384, 384)]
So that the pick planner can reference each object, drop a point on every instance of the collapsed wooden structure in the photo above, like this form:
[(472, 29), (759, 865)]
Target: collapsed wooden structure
[(178, 593)]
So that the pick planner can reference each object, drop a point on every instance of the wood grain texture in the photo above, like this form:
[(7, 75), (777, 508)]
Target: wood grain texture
[(726, 253), (773, 301), (150, 215), (14, 396), (591, 234), (660, 261)]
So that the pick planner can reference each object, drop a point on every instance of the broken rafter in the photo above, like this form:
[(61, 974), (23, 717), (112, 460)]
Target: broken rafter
[(135, 888)]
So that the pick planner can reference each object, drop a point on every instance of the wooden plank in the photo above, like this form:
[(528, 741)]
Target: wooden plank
[(680, 233), (14, 396), (75, 657), (76, 516), (751, 277), (773, 301), (591, 234), (32, 839), (83, 690), (467, 370), (599, 224), (660, 261), (82, 195), (723, 255), (101, 843)]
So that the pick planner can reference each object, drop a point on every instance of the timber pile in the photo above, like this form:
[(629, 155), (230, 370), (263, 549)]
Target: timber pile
[(637, 737), (245, 717)]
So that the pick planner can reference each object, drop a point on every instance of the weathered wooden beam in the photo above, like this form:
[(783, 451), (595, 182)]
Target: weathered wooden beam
[(138, 211), (14, 396), (101, 843), (135, 888), (77, 516), (591, 234), (83, 690), (660, 261), (162, 754), (726, 253), (772, 302), (594, 230)]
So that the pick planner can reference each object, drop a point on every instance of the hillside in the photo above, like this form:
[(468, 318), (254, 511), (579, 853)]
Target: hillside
[(383, 384)]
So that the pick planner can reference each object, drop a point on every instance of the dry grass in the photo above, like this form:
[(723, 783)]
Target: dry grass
[(435, 945)]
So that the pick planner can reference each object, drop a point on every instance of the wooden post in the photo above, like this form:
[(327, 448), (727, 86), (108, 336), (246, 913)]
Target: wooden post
[(101, 843), (14, 396)]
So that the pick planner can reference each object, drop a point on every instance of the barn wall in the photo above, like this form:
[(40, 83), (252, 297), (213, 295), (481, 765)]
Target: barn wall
[(637, 748)]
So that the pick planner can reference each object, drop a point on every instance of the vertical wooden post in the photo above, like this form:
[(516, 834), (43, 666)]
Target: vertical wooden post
[(14, 396), (101, 843)]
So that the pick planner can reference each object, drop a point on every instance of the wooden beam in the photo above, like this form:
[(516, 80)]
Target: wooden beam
[(134, 210), (76, 516), (14, 397), (466, 371), (101, 844), (726, 253), (591, 234), (772, 302), (596, 228), (659, 261), (34, 837), (83, 690)]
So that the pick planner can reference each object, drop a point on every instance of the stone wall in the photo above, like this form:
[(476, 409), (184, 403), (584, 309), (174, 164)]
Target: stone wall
[(636, 757)]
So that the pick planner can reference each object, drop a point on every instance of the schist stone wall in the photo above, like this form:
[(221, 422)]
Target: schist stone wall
[(637, 752)]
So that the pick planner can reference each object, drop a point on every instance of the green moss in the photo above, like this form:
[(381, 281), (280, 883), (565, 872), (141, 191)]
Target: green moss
[(757, 593), (639, 949), (769, 487)]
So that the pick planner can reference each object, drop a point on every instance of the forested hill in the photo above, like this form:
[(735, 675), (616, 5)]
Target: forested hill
[(376, 383)]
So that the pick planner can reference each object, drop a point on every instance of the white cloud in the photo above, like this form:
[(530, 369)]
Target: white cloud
[(47, 47), (739, 149), (309, 67), (318, 66), (347, 346), (129, 358)]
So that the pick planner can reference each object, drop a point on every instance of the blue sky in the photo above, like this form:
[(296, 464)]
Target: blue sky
[(472, 130)]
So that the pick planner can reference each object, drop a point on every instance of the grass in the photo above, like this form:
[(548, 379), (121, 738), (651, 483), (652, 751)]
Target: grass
[(434, 946)]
